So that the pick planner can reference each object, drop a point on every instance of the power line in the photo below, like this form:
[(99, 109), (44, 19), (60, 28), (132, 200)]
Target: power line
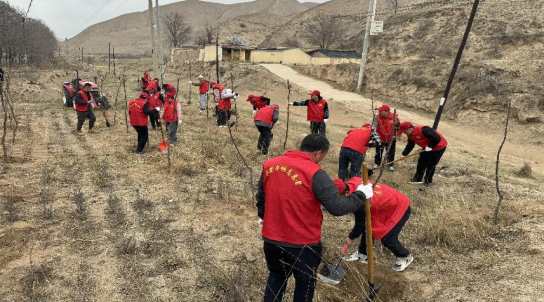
[(93, 15), (116, 9)]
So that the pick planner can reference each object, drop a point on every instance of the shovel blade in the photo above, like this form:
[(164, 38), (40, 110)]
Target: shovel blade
[(373, 292), (330, 275), (163, 146)]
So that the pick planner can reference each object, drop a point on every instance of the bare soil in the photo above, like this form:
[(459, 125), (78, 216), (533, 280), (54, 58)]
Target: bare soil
[(139, 233)]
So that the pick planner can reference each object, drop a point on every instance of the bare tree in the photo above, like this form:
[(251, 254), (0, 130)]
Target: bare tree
[(324, 33), (206, 36), (393, 4), (177, 29)]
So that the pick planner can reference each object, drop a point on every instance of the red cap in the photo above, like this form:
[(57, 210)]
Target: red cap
[(384, 107), (315, 92), (366, 126), (250, 97), (144, 95), (404, 126), (340, 185), (276, 106)]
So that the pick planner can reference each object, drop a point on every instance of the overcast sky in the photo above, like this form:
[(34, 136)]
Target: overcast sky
[(66, 19)]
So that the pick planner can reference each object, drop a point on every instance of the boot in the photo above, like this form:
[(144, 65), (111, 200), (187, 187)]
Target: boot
[(80, 133), (92, 131)]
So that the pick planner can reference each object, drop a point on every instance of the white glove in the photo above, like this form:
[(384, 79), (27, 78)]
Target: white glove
[(325, 120), (366, 189), (290, 103), (158, 109), (190, 82), (254, 112), (261, 221), (427, 149), (179, 122)]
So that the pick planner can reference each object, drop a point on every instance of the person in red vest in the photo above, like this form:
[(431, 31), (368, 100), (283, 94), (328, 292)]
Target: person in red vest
[(258, 102), (217, 89), (434, 144), (353, 150), (84, 109), (318, 112), (145, 81), (264, 120), (138, 111), (292, 189), (155, 103), (384, 127), (203, 90), (170, 91), (224, 106), (171, 115), (389, 212)]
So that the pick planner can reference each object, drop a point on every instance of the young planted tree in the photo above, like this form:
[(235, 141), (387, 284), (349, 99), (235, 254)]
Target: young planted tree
[(324, 33), (177, 29)]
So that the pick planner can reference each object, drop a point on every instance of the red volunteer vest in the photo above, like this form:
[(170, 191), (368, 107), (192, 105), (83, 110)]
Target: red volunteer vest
[(265, 115), (385, 126), (224, 104), (257, 103), (316, 111), (136, 112), (292, 213), (386, 209), (169, 92), (154, 101), (422, 141), (203, 88), (169, 111), (357, 139), (84, 98)]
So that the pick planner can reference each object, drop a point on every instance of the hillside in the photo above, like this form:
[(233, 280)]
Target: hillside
[(130, 32), (409, 63)]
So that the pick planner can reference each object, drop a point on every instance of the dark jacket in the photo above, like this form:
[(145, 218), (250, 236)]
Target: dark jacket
[(430, 134)]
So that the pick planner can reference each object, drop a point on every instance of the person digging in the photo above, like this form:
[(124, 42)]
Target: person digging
[(138, 111), (258, 102), (224, 106), (317, 113), (384, 127), (171, 115), (353, 150), (390, 210), (292, 188), (434, 145), (264, 120), (154, 101), (84, 109), (203, 91)]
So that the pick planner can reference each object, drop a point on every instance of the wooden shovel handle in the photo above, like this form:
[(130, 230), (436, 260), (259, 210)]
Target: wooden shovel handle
[(370, 249)]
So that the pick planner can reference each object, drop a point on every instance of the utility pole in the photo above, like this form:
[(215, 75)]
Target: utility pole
[(161, 57), (114, 60), (456, 64), (369, 19), (81, 54), (152, 24)]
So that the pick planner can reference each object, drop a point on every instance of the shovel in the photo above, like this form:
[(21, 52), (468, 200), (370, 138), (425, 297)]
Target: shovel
[(333, 273), (104, 114), (402, 158), (164, 145), (372, 290)]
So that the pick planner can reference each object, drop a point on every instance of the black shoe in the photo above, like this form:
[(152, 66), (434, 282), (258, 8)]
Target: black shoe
[(415, 181), (425, 186)]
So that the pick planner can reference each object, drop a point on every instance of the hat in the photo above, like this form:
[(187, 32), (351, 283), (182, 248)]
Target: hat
[(384, 107), (366, 125), (315, 92), (144, 95), (340, 185), (404, 126), (276, 106), (249, 97), (200, 77)]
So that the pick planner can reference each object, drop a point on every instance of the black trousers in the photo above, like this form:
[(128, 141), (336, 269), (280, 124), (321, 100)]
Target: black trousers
[(222, 117), (154, 118), (391, 239), (264, 139), (380, 152), (82, 116), (282, 262), (142, 136), (426, 165), (318, 127), (349, 156)]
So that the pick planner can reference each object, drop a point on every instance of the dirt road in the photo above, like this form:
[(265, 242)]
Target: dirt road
[(475, 140)]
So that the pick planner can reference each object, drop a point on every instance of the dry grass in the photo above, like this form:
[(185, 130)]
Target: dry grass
[(526, 171)]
